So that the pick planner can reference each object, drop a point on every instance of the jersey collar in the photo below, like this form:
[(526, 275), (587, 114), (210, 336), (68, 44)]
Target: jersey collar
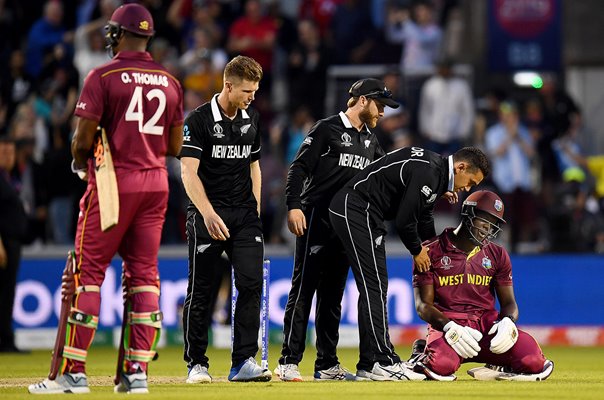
[(347, 123), (216, 110), (451, 184), (134, 55)]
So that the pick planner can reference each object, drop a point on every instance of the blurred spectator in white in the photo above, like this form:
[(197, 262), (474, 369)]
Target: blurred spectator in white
[(307, 70), (511, 148), (203, 48), (421, 36), (15, 87), (392, 129), (44, 35), (487, 113), (446, 111), (89, 41)]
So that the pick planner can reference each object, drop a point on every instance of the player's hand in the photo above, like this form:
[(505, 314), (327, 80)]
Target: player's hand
[(422, 260), (216, 226), (506, 337), (296, 221), (451, 197), (82, 172), (463, 339)]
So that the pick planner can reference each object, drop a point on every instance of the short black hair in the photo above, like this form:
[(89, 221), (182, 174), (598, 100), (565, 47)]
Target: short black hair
[(475, 157)]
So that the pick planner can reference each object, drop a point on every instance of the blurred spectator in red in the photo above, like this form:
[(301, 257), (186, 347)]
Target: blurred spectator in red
[(319, 11)]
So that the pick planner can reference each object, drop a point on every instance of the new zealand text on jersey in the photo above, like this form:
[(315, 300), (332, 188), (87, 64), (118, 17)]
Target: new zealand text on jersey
[(231, 151), (353, 161)]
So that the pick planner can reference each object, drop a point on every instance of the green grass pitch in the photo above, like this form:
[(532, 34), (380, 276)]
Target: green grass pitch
[(578, 374)]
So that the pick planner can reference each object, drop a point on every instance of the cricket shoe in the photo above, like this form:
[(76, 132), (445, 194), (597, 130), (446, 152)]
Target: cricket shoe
[(132, 383), (198, 374), (548, 368), (395, 372), (249, 371), (66, 383), (288, 373), (335, 373)]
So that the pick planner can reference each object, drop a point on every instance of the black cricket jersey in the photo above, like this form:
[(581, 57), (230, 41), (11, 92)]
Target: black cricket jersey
[(225, 148), (331, 154), (404, 186)]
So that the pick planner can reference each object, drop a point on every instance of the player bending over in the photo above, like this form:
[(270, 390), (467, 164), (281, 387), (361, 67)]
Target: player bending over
[(457, 298)]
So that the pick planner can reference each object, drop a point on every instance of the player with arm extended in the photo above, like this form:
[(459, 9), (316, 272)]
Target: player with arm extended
[(457, 298), (335, 149), (220, 162), (139, 104), (401, 186)]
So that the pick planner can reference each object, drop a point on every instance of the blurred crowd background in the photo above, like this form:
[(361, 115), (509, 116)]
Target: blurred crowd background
[(547, 166)]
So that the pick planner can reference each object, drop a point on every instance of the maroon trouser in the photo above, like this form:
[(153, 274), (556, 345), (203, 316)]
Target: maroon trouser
[(524, 357), (143, 201)]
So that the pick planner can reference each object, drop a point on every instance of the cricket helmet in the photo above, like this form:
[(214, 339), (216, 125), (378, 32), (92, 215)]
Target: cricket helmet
[(475, 207)]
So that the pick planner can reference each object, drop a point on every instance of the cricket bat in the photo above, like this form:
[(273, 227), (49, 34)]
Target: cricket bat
[(106, 182)]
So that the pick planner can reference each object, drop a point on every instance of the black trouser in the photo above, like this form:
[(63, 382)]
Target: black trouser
[(8, 282), (245, 250), (321, 266), (362, 235)]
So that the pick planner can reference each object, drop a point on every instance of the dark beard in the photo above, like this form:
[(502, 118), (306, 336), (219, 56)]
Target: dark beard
[(366, 118)]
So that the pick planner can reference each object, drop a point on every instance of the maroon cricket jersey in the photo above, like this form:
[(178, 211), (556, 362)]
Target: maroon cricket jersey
[(137, 102), (464, 282)]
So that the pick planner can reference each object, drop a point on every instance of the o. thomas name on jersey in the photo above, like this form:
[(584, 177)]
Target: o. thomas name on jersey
[(353, 161), (231, 151)]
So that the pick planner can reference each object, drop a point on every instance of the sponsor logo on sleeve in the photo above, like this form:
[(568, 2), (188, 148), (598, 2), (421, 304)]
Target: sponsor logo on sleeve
[(186, 134), (426, 191), (307, 140)]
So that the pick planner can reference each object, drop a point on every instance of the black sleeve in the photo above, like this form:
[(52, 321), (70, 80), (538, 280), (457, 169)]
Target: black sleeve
[(315, 144), (256, 147), (425, 225), (193, 143), (421, 185)]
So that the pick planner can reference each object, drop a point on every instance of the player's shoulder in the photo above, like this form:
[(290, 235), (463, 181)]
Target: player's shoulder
[(202, 113), (253, 113), (496, 250)]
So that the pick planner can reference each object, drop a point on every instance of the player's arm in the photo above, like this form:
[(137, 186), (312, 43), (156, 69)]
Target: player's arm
[(82, 141), (256, 181), (424, 305), (197, 193), (507, 302), (175, 142), (463, 339), (303, 165)]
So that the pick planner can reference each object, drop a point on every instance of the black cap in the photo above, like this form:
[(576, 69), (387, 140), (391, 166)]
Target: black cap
[(373, 89)]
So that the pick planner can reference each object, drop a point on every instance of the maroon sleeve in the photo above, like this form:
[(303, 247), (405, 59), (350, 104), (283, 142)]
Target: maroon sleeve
[(178, 117), (423, 278), (503, 275), (90, 103)]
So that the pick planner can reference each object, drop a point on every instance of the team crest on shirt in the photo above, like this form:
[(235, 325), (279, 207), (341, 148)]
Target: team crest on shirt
[(218, 131), (486, 263), (245, 128), (346, 139), (307, 140), (367, 143)]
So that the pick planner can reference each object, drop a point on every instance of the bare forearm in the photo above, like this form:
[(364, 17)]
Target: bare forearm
[(196, 191)]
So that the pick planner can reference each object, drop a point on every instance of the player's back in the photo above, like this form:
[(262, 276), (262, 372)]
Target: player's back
[(140, 101)]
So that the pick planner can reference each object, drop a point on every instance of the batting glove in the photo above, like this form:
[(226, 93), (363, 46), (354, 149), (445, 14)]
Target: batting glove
[(463, 339), (506, 337)]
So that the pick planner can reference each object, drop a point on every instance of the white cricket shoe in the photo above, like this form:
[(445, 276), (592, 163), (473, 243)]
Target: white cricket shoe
[(335, 373), (288, 373), (198, 374), (395, 372), (249, 371), (133, 383), (66, 383)]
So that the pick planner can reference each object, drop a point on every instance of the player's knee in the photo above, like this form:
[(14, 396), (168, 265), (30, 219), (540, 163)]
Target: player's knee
[(530, 364), (89, 302), (443, 365)]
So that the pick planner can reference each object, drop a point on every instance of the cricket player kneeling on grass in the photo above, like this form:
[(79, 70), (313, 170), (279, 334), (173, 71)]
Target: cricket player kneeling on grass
[(457, 298)]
